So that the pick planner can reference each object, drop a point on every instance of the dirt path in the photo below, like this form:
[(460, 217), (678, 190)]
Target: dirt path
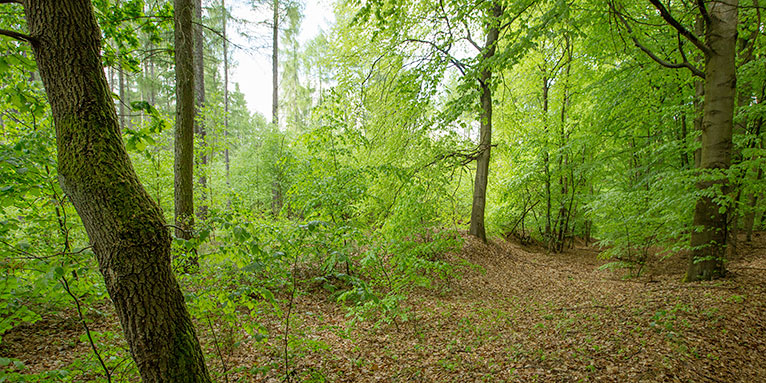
[(521, 315)]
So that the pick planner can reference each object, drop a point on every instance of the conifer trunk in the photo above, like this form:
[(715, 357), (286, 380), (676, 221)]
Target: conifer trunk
[(125, 227)]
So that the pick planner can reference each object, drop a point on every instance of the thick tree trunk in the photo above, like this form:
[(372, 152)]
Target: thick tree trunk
[(125, 227), (199, 92), (184, 132), (477, 228), (709, 242)]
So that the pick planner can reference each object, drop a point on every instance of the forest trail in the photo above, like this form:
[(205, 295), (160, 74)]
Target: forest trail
[(517, 315)]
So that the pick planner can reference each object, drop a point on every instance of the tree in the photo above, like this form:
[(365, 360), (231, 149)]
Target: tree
[(199, 105), (184, 133), (719, 22), (125, 227)]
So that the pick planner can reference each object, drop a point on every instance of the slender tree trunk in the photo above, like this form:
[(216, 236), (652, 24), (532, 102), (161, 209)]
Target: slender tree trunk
[(226, 93), (682, 139), (546, 162), (123, 96), (276, 186), (563, 160), (199, 121), (749, 219), (184, 133), (709, 243), (125, 227), (275, 65), (485, 130), (699, 97)]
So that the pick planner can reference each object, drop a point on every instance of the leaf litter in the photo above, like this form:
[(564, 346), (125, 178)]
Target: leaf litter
[(518, 315)]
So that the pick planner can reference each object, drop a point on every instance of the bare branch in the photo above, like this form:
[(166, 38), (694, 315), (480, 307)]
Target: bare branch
[(18, 36), (680, 28)]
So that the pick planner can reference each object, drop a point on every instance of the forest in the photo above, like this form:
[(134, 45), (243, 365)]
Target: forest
[(444, 191)]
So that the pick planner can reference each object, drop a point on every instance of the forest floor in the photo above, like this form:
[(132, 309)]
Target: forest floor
[(522, 315)]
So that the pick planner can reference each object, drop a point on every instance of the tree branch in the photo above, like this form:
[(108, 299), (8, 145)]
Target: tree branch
[(457, 63), (10, 1), (685, 64), (18, 35), (680, 28), (703, 11)]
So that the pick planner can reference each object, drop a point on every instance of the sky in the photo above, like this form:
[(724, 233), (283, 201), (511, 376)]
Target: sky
[(253, 70)]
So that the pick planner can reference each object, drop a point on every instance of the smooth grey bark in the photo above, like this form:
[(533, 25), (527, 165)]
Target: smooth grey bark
[(477, 228), (184, 129), (709, 242), (125, 227)]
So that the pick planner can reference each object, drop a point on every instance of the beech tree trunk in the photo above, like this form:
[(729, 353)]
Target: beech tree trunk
[(199, 92), (125, 227), (184, 132), (485, 131), (709, 242)]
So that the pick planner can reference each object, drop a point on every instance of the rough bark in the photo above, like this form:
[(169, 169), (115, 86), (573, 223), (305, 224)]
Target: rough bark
[(184, 131), (709, 241), (477, 228), (125, 227), (199, 92)]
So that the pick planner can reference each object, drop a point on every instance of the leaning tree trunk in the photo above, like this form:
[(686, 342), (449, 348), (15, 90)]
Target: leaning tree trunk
[(485, 130), (184, 132), (125, 227), (709, 242)]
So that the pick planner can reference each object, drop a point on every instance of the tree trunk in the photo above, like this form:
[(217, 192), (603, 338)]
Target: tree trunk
[(547, 165), (276, 185), (709, 242), (226, 94), (275, 65), (184, 132), (750, 216), (485, 131), (199, 92), (125, 227)]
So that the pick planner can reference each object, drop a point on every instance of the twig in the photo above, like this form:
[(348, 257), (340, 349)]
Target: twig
[(218, 349), (65, 283)]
